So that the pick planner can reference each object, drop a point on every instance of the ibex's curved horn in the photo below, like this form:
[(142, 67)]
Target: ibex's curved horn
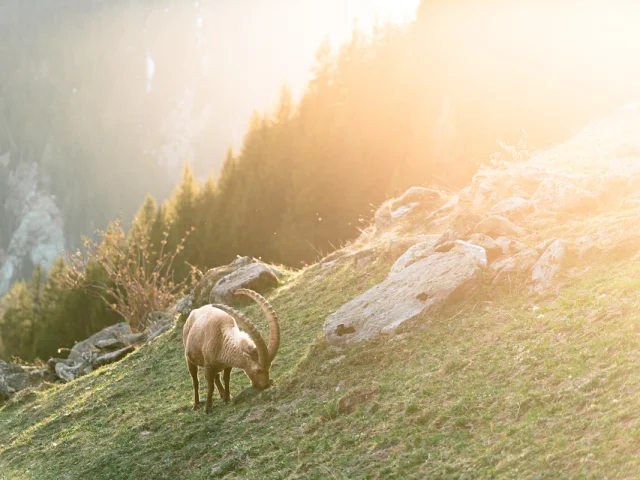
[(250, 328), (272, 317)]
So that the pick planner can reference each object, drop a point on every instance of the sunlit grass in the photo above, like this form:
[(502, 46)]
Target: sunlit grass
[(503, 385)]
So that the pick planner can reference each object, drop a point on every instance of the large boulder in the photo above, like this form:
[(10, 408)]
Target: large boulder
[(202, 291), (421, 287), (557, 195), (256, 276), (86, 346)]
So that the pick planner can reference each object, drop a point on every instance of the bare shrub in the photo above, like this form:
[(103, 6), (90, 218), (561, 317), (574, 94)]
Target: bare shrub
[(141, 279)]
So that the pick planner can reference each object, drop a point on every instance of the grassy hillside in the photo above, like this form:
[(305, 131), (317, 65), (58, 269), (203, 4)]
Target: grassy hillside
[(504, 385)]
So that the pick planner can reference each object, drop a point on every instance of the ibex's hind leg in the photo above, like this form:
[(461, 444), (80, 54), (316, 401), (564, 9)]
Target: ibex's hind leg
[(227, 379), (193, 370), (219, 386), (213, 378)]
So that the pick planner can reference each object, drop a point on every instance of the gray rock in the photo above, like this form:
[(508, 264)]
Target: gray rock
[(52, 362), (202, 291), (5, 391), (68, 373), (474, 251), (112, 357), (415, 253), (510, 246), (548, 266), (512, 207), (135, 338), (112, 332), (542, 246), (496, 226), (17, 381), (491, 247), (460, 228), (422, 287), (519, 264), (159, 332), (257, 277), (16, 377), (560, 196), (185, 304), (110, 344)]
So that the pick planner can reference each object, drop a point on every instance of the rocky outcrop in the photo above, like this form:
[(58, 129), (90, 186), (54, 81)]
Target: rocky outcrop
[(202, 290), (415, 201), (417, 289), (218, 284), (561, 196), (114, 332)]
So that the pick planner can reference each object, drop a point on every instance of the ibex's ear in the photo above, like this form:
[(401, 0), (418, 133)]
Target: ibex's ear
[(249, 348)]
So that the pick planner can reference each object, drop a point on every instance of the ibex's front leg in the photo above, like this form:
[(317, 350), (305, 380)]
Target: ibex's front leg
[(193, 370), (227, 379)]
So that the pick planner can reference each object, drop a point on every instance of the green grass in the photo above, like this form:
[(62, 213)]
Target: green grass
[(501, 386)]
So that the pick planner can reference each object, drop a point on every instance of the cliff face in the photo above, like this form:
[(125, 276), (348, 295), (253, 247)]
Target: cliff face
[(37, 236)]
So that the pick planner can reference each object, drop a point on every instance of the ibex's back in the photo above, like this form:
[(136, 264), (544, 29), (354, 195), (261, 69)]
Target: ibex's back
[(212, 337)]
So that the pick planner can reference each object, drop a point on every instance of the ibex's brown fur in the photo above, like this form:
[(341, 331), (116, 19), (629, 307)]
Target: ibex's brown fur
[(212, 340)]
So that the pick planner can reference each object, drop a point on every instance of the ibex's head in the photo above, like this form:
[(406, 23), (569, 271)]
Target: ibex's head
[(259, 368)]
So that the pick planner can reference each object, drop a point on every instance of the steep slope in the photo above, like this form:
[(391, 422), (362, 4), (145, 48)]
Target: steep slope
[(503, 383)]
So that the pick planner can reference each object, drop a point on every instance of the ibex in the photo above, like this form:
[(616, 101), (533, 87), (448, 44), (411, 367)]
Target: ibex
[(212, 340)]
